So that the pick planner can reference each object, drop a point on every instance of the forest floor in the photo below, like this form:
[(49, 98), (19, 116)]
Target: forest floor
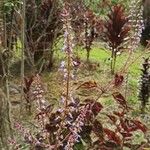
[(98, 72)]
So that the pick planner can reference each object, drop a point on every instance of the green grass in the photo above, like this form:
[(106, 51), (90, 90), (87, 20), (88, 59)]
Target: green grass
[(100, 54)]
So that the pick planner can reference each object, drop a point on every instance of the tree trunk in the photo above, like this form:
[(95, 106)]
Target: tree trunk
[(5, 124), (1, 35)]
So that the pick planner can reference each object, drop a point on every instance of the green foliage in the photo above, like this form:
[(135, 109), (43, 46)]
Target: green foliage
[(79, 146), (9, 5), (93, 4)]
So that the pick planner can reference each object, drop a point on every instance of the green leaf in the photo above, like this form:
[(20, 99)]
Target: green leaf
[(79, 146)]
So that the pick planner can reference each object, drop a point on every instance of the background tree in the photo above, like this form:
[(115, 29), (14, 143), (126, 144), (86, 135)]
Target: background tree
[(43, 26)]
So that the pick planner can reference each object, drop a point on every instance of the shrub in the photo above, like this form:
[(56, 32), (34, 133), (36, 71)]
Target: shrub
[(116, 30), (144, 92)]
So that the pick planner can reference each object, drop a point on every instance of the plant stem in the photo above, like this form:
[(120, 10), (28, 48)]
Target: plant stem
[(68, 79), (22, 54), (112, 62)]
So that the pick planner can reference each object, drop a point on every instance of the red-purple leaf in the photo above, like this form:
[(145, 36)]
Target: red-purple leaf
[(119, 114), (126, 134), (120, 99), (140, 125), (98, 130), (88, 85), (127, 125), (112, 118), (112, 136), (132, 125), (118, 80), (96, 108)]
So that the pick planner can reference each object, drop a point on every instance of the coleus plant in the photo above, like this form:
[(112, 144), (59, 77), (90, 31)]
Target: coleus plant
[(81, 123), (77, 127), (116, 31)]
